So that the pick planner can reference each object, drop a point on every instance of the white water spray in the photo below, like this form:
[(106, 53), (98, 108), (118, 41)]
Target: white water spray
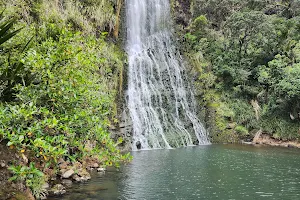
[(160, 104)]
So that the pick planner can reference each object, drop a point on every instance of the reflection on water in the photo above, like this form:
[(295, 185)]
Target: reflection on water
[(202, 172)]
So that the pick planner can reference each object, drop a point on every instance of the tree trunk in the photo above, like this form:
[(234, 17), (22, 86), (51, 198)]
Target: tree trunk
[(118, 12)]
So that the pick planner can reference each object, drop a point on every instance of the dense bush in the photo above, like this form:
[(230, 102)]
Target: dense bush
[(60, 81), (68, 103), (251, 49)]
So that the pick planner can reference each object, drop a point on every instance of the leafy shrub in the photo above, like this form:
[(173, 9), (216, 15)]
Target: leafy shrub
[(253, 54), (65, 111), (280, 127), (60, 88), (241, 130), (34, 178)]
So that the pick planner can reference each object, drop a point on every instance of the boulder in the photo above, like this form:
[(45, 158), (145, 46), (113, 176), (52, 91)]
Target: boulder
[(58, 189), (2, 164), (101, 169), (138, 145), (81, 176), (84, 174), (45, 186), (95, 165), (68, 173), (66, 182)]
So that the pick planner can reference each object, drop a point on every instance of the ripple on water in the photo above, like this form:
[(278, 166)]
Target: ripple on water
[(210, 172)]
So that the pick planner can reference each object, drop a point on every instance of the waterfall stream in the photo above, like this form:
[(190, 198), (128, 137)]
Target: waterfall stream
[(161, 105)]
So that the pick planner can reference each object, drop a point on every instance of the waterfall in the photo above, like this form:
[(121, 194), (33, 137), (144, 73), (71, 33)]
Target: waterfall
[(160, 103)]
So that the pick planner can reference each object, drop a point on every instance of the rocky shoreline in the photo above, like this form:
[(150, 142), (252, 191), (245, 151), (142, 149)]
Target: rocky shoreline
[(265, 139), (70, 173), (57, 183), (78, 172), (57, 186)]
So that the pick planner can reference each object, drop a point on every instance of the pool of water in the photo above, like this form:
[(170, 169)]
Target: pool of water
[(202, 172)]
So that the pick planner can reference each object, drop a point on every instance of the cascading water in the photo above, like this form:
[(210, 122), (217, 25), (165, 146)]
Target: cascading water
[(160, 104)]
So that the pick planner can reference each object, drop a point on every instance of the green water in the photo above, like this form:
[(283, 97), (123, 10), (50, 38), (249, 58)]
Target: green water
[(202, 172)]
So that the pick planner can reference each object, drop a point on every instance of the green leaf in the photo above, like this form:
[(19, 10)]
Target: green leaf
[(13, 178), (21, 138), (10, 143), (39, 173), (4, 31)]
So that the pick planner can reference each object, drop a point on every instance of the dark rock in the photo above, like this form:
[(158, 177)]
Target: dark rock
[(291, 146), (138, 145)]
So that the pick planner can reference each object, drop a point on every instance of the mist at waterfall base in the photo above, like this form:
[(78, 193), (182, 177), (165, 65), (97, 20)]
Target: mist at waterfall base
[(210, 172), (160, 102)]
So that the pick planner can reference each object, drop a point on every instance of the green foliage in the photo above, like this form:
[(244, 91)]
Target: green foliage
[(59, 89), (199, 24), (289, 86), (11, 70), (280, 128), (88, 16), (244, 113), (5, 30), (33, 178), (24, 172), (249, 64), (243, 131), (68, 104)]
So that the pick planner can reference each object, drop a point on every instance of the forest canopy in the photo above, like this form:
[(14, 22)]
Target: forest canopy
[(247, 53)]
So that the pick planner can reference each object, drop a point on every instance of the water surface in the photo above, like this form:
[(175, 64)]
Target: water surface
[(202, 172)]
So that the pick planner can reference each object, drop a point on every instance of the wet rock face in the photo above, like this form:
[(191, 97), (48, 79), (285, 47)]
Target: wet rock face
[(125, 130)]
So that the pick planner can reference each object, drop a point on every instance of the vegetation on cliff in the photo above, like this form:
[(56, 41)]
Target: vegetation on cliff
[(60, 80), (61, 74), (245, 55)]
